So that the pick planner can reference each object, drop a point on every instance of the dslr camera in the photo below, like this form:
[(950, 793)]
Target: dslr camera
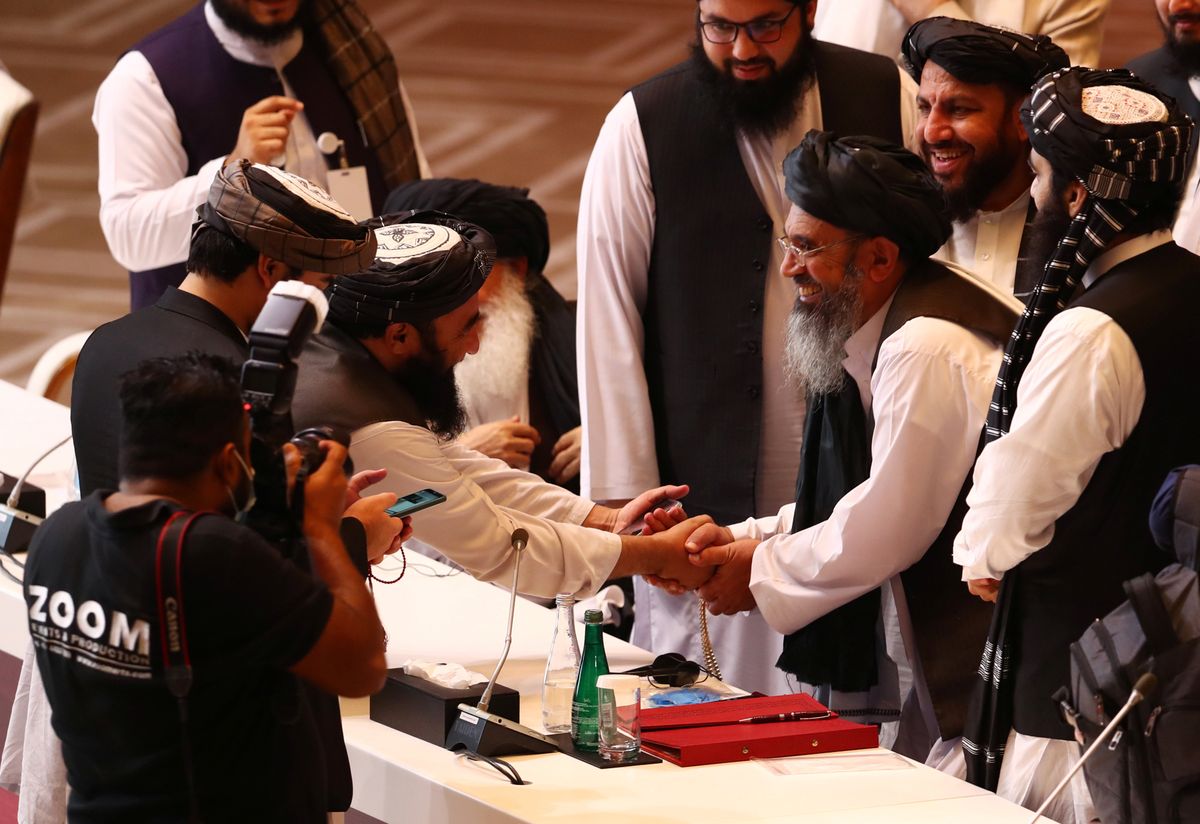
[(293, 312)]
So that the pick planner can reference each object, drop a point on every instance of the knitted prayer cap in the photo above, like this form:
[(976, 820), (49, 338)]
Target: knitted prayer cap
[(974, 53), (864, 184), (1128, 144), (1121, 137), (427, 264), (285, 217), (517, 223)]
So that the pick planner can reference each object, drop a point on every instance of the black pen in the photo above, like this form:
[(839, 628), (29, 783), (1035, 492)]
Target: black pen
[(806, 715)]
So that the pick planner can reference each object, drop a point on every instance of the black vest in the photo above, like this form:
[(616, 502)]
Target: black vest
[(949, 625), (708, 270), (209, 91), (1104, 539), (341, 385)]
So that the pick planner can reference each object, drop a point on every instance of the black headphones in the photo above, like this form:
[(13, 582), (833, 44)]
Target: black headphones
[(670, 670)]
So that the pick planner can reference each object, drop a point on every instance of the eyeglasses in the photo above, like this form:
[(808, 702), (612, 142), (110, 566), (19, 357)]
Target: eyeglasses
[(724, 32), (790, 248)]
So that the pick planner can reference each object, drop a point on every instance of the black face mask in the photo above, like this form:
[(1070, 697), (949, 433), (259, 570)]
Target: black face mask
[(765, 107), (240, 21)]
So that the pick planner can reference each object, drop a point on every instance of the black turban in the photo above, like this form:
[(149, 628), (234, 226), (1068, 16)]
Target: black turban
[(517, 223), (427, 264), (974, 53), (284, 217), (867, 185)]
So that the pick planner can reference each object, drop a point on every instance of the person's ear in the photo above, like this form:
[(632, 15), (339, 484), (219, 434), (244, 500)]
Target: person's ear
[(270, 271), (401, 338), (225, 465), (1075, 196), (881, 259)]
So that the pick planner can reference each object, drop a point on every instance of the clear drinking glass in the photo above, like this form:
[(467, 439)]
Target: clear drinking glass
[(619, 700)]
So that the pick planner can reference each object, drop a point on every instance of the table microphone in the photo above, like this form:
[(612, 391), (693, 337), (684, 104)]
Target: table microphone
[(1144, 686), (16, 526), (478, 731)]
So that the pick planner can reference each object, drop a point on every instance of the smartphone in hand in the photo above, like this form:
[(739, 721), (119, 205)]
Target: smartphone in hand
[(415, 502)]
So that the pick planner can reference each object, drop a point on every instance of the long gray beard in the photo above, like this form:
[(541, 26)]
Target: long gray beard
[(816, 338), (496, 377)]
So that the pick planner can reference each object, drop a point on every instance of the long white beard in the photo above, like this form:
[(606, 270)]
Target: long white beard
[(816, 338), (493, 382)]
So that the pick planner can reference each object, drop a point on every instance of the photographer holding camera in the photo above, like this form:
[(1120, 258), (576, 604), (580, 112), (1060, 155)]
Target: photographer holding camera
[(135, 593), (260, 226)]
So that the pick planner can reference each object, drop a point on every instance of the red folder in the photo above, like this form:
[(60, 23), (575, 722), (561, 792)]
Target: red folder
[(672, 732)]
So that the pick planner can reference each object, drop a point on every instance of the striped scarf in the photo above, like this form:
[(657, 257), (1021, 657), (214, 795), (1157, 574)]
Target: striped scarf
[(365, 71), (1125, 150)]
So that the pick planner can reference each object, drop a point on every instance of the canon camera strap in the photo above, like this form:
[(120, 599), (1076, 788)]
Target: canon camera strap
[(177, 661)]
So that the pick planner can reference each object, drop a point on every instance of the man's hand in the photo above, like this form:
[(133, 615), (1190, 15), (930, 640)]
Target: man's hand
[(677, 566), (914, 10), (636, 509), (985, 588), (325, 490), (360, 481), (662, 556), (384, 532), (566, 455), (264, 131), (511, 441), (728, 590)]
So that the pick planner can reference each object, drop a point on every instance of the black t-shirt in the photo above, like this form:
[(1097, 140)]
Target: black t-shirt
[(179, 323), (249, 615)]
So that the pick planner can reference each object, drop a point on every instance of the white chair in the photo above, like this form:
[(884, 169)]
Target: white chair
[(54, 369)]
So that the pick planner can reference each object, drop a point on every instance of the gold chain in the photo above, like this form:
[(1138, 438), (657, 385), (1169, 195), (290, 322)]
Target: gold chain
[(710, 657)]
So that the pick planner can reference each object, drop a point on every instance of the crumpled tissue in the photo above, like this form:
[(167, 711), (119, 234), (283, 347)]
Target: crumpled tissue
[(450, 676)]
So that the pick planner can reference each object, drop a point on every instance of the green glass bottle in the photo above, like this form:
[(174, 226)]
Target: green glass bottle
[(585, 714)]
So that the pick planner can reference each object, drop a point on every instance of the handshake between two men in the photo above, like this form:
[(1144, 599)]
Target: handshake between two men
[(703, 557)]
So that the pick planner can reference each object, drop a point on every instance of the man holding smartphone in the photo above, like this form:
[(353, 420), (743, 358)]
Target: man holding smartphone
[(382, 371)]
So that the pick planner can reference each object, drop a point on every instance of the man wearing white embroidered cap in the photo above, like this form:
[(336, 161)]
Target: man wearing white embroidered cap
[(382, 370), (1086, 420)]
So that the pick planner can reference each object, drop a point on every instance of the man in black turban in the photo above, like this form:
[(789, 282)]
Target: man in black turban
[(382, 371), (1093, 407), (520, 390), (973, 79), (897, 353)]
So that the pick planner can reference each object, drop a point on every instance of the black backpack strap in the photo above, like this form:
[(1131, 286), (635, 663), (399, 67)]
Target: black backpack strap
[(1151, 614), (177, 660)]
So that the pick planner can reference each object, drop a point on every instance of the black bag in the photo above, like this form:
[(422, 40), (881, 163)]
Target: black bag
[(1149, 771)]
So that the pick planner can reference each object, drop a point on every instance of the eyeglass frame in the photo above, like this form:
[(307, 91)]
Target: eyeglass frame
[(790, 248), (749, 29)]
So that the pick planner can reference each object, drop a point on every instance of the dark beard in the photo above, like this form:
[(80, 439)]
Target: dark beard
[(760, 107), (1186, 54), (979, 181), (242, 23), (434, 389), (1046, 231)]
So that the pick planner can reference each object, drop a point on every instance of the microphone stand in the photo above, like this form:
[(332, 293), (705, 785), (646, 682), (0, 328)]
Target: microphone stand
[(479, 733), (17, 527), (1141, 689)]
